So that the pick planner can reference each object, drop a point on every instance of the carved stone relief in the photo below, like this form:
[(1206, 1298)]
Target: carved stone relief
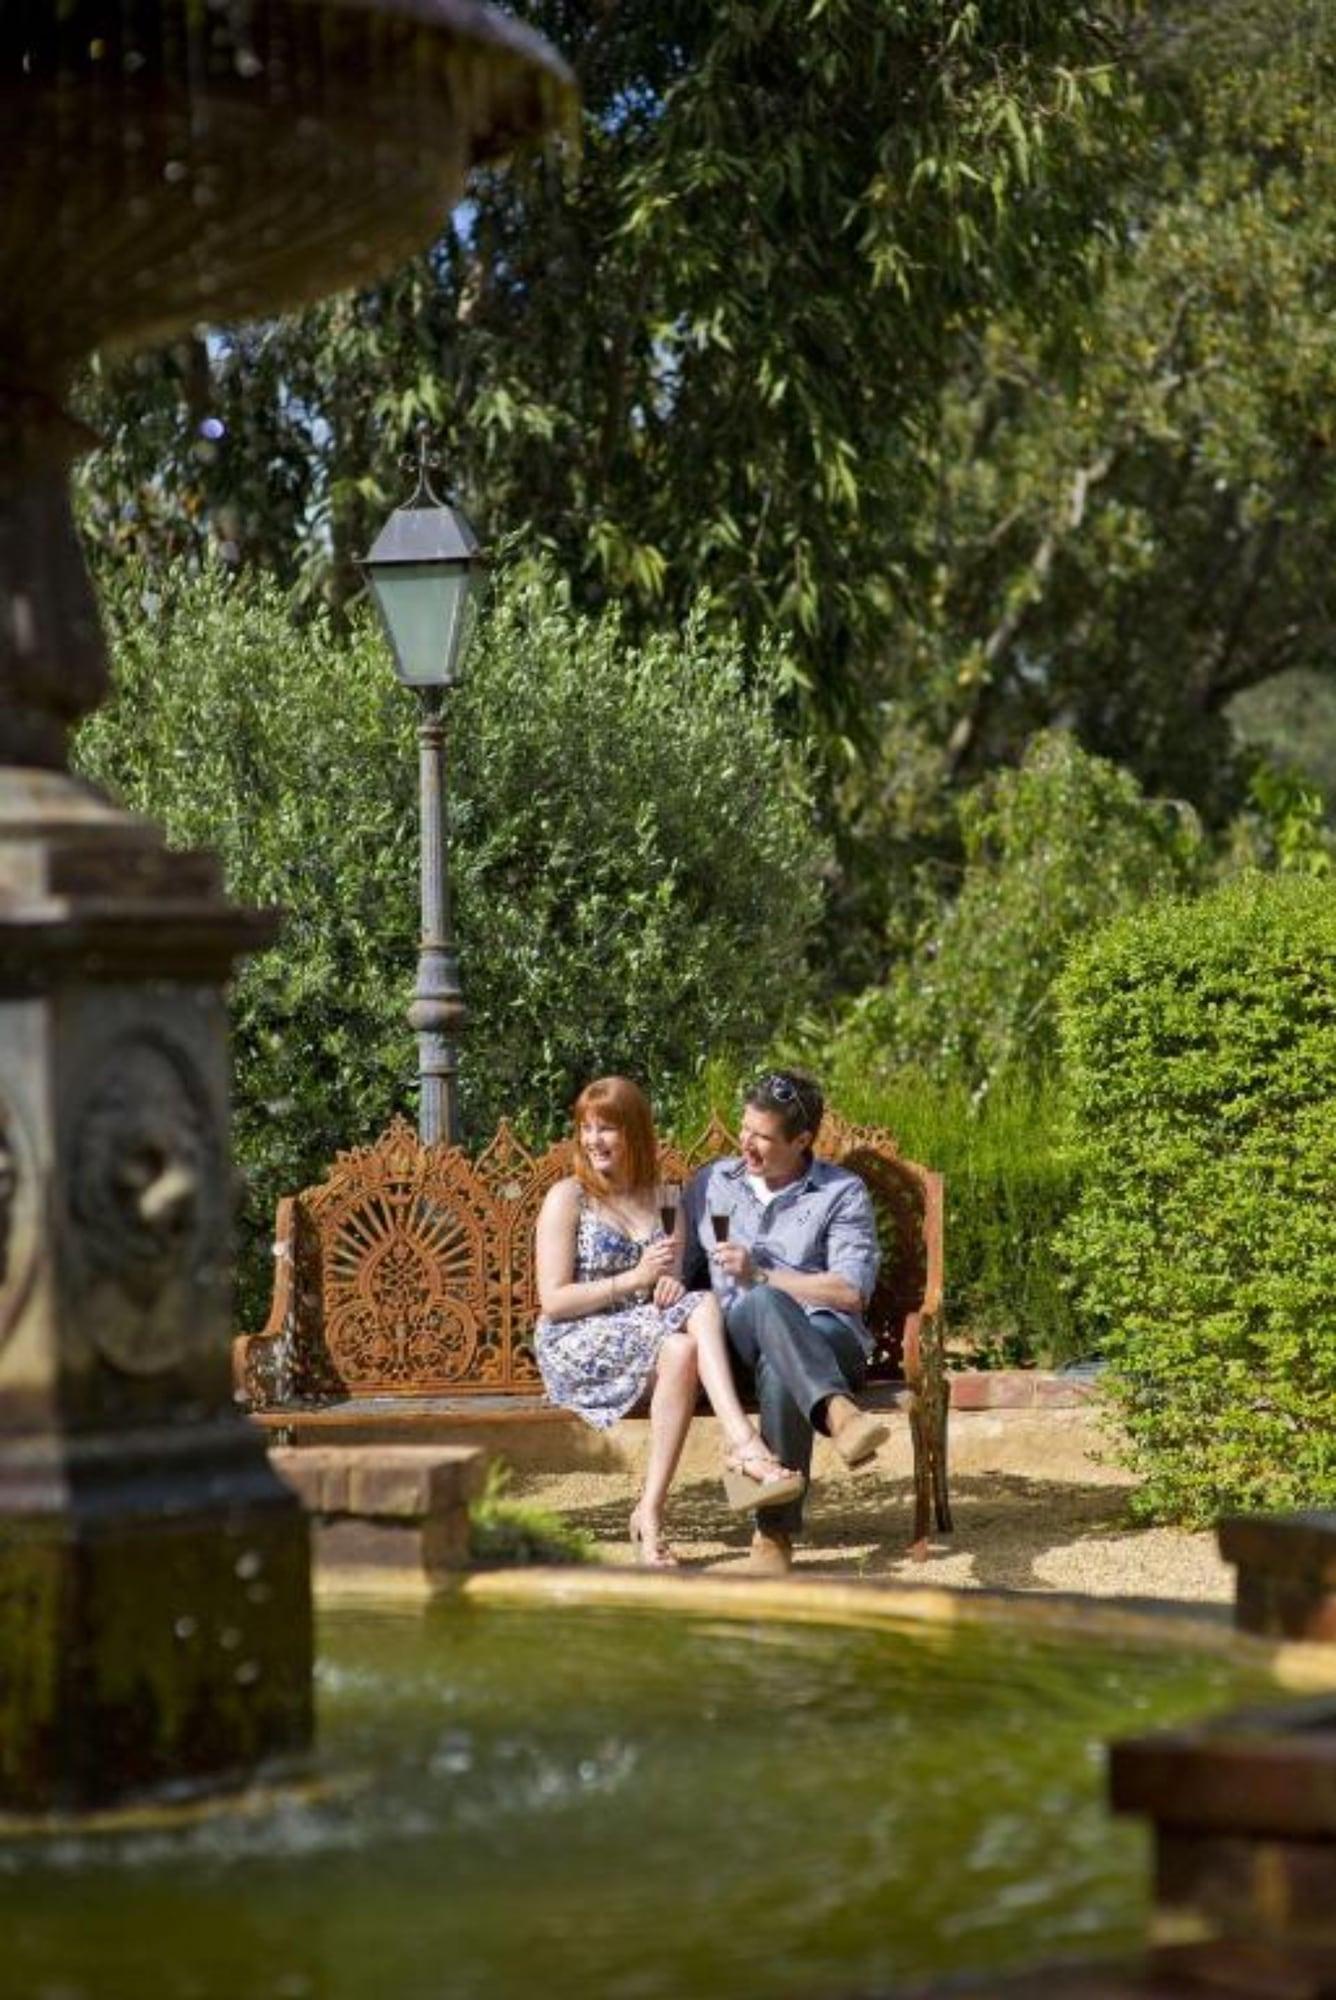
[(146, 1197), (18, 1216)]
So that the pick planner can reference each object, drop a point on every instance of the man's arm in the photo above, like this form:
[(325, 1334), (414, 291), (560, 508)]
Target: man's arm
[(818, 1288), (852, 1257), (852, 1252)]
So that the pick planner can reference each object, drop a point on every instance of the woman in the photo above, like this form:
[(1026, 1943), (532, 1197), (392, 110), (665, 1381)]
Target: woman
[(617, 1319)]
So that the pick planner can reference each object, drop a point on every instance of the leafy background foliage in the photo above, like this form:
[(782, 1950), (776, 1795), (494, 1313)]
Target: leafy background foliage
[(694, 359), (630, 889), (1011, 1180), (1052, 850)]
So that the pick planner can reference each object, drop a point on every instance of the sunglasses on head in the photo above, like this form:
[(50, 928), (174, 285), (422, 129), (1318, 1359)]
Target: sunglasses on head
[(785, 1091)]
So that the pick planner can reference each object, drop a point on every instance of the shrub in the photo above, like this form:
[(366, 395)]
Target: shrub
[(504, 1530), (1052, 850), (633, 859), (1282, 828), (638, 866), (1200, 1043)]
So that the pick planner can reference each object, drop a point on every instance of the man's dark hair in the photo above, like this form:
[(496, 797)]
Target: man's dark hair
[(795, 1097)]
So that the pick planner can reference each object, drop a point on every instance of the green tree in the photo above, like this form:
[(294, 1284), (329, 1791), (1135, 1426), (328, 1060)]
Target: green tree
[(634, 857), (707, 358), (1052, 850), (1289, 722), (1129, 544), (984, 352)]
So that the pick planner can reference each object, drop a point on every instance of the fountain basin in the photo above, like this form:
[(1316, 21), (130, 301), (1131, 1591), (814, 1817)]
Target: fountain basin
[(566, 1787), (176, 160)]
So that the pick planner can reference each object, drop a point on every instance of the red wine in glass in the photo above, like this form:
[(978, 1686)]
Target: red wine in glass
[(668, 1199), (719, 1223)]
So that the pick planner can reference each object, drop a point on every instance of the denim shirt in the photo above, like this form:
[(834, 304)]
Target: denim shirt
[(824, 1221)]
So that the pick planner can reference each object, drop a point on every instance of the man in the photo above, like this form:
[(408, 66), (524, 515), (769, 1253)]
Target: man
[(791, 1243)]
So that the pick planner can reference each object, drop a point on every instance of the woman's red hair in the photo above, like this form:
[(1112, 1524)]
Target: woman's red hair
[(617, 1101)]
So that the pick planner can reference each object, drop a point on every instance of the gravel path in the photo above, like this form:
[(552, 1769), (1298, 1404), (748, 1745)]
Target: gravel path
[(1013, 1532)]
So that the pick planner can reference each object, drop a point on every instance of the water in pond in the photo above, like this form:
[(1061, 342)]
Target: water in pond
[(619, 1806)]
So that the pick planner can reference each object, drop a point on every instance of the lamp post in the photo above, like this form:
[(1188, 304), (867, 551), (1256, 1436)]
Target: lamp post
[(425, 570)]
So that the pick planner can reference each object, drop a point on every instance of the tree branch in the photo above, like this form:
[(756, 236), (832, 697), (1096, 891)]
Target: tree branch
[(1212, 682), (1008, 628)]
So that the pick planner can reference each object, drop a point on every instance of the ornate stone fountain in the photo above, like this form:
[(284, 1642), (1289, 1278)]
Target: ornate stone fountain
[(166, 162)]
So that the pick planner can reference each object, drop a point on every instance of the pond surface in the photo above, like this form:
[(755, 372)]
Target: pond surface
[(623, 1806)]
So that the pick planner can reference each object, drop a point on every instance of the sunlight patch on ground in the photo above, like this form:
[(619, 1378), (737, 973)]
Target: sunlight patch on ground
[(1012, 1533)]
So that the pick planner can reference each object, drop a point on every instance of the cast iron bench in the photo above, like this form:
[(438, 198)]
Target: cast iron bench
[(405, 1281)]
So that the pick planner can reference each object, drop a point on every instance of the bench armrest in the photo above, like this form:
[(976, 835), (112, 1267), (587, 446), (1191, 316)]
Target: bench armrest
[(256, 1357)]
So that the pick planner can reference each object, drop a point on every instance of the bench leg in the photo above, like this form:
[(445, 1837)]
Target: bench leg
[(923, 1479), (940, 1495), (927, 1423)]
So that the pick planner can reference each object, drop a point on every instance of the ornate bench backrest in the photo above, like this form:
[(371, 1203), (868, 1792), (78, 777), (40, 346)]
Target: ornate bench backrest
[(410, 1271)]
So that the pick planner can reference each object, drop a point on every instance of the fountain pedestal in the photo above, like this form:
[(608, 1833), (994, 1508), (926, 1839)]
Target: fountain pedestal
[(154, 1591)]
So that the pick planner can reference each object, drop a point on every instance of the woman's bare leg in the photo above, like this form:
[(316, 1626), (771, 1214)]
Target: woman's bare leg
[(716, 1373), (716, 1370), (671, 1409)]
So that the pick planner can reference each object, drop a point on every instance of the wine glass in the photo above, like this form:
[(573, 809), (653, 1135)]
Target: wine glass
[(719, 1224), (668, 1195)]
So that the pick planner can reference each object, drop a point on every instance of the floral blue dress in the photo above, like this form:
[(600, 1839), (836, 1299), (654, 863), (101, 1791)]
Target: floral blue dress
[(600, 1366)]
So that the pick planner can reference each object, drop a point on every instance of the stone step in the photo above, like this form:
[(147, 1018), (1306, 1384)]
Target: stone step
[(395, 1514)]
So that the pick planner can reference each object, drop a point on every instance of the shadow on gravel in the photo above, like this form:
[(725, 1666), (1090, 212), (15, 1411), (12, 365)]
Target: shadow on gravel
[(1005, 1524)]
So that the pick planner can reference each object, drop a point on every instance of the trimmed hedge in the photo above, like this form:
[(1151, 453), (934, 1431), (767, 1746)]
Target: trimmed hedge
[(1200, 1045)]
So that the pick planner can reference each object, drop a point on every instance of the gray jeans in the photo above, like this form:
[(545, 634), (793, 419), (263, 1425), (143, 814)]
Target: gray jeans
[(795, 1361)]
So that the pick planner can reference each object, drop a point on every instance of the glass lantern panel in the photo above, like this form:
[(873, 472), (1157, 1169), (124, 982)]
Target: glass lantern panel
[(423, 606)]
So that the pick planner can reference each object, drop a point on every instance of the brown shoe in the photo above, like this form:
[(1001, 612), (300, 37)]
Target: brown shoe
[(860, 1439), (771, 1553)]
